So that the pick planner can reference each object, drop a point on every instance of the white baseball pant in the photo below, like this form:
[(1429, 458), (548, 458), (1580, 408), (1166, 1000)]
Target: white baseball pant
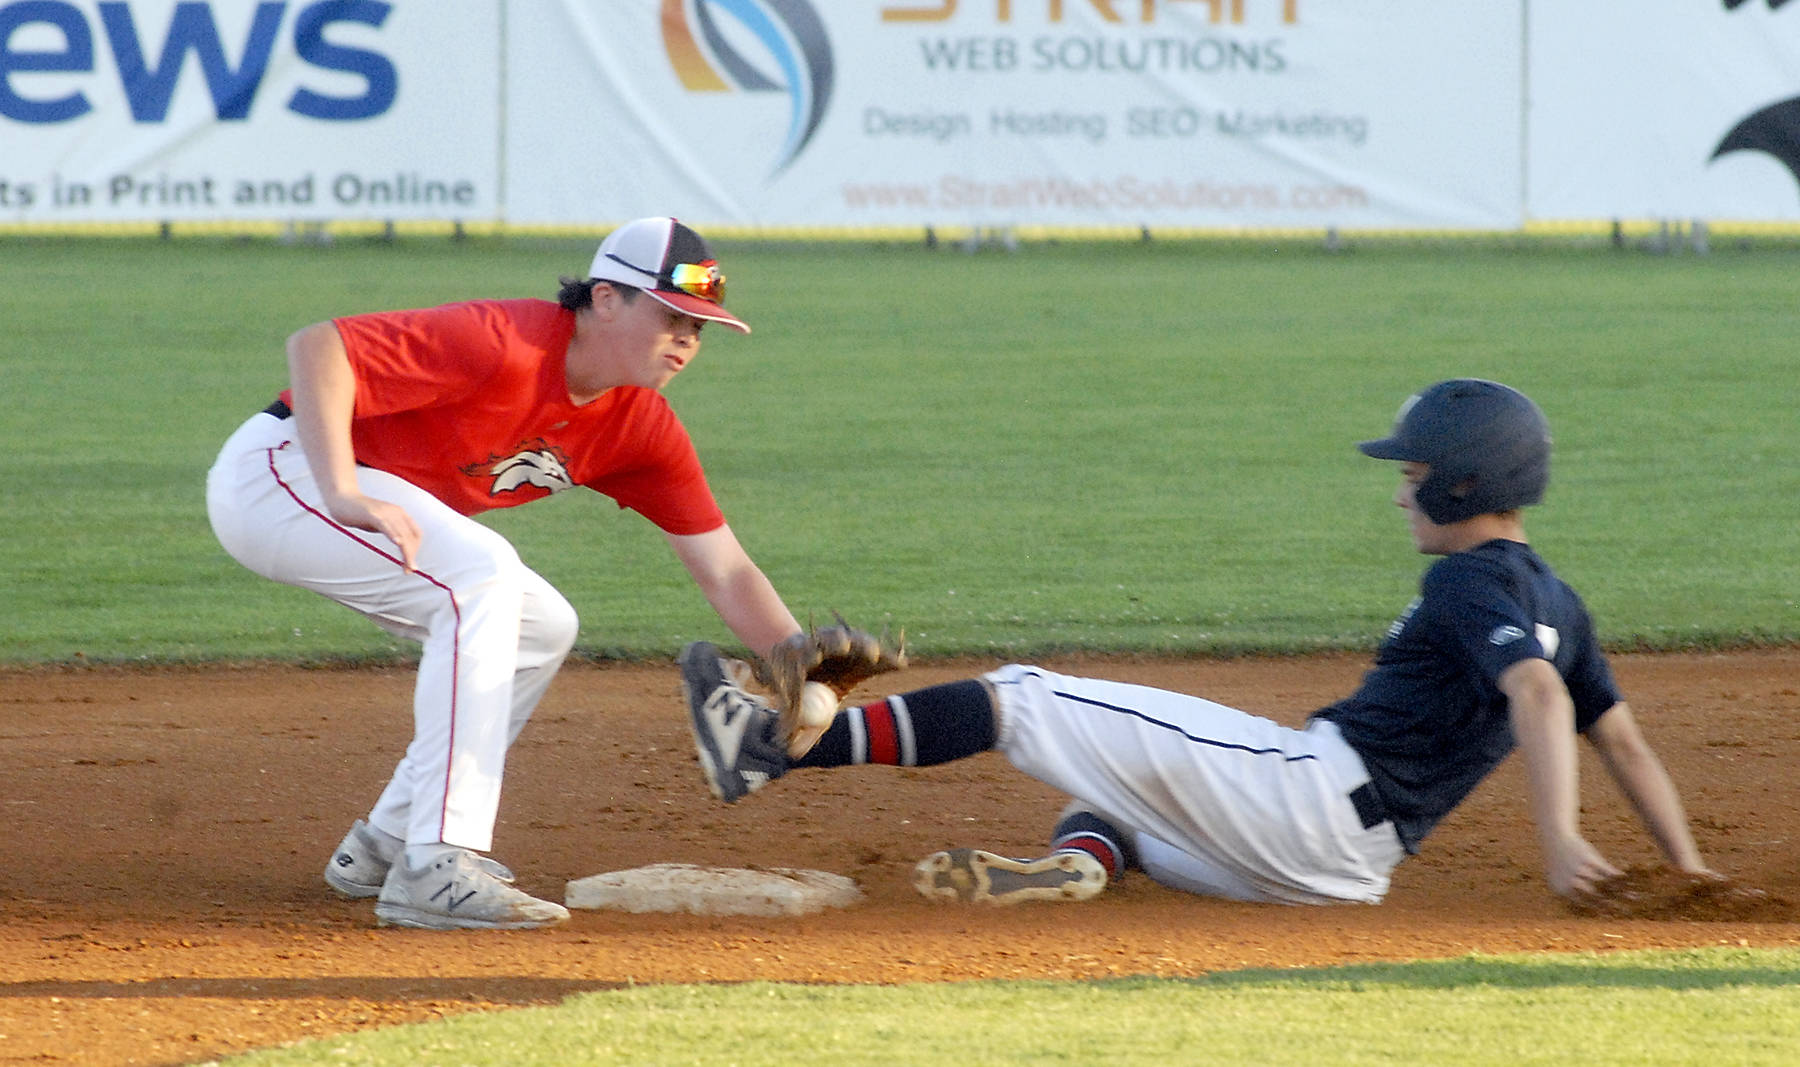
[(1220, 802), (493, 632)]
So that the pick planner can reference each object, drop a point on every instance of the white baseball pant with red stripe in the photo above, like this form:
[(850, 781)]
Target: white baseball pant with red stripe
[(493, 632)]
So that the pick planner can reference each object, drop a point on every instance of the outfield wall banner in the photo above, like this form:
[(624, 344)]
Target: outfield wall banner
[(146, 110), (1671, 109), (1201, 113), (1483, 114)]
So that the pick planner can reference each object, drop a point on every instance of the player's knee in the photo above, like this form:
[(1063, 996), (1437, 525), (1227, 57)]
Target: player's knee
[(489, 566), (483, 589), (554, 624)]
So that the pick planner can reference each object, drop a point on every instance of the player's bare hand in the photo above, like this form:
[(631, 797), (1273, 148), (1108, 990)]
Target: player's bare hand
[(1576, 869), (379, 516)]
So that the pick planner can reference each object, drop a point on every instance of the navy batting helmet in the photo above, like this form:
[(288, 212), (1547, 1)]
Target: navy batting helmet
[(1488, 447)]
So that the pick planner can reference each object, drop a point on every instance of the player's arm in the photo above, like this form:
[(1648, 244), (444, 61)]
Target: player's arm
[(1644, 781), (324, 400), (1543, 722), (735, 587)]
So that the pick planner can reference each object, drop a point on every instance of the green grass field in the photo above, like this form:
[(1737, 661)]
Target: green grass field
[(1132, 447), (1699, 1008)]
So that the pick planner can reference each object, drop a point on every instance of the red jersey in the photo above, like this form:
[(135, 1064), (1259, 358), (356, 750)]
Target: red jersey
[(469, 402)]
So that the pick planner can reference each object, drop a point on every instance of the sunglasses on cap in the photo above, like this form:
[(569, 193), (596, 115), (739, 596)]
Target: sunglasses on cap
[(702, 279)]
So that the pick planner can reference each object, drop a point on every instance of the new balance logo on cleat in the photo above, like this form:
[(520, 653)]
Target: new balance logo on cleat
[(450, 900), (729, 712), (733, 731)]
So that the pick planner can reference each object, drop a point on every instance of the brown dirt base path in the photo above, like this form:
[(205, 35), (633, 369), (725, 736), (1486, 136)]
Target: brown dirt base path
[(165, 830)]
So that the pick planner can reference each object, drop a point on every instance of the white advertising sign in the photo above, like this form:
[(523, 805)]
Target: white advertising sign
[(153, 109), (1259, 114), (1667, 109), (1214, 113)]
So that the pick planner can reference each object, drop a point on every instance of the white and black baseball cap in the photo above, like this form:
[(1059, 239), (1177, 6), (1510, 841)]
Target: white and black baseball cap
[(670, 262)]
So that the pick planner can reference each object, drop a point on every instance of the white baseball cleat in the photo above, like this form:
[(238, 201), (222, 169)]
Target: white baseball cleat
[(457, 892), (361, 861), (977, 877), (735, 734), (360, 865)]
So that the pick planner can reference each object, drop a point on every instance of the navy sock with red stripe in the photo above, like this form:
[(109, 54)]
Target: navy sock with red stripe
[(926, 726), (1083, 831)]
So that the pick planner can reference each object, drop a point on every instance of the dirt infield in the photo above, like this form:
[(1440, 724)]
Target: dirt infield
[(166, 830)]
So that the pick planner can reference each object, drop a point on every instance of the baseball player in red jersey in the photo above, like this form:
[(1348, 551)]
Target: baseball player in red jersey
[(359, 482)]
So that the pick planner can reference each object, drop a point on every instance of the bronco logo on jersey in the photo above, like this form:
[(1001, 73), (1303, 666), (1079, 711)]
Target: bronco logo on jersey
[(791, 33), (536, 463)]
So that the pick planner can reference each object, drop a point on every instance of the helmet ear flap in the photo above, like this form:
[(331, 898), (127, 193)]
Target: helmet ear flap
[(1447, 495)]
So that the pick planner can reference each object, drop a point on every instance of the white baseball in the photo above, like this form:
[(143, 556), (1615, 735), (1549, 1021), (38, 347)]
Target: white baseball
[(818, 706)]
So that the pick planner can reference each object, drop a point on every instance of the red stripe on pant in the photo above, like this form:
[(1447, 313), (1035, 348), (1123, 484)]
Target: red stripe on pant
[(455, 607), (884, 738)]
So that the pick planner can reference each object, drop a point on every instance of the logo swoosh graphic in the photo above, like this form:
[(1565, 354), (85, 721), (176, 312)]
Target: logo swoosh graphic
[(1774, 129), (794, 37)]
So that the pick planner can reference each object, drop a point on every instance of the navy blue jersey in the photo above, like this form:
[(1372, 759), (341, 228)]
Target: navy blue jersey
[(1430, 720)]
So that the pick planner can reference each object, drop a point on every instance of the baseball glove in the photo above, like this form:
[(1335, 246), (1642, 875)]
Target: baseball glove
[(830, 661), (1665, 893)]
